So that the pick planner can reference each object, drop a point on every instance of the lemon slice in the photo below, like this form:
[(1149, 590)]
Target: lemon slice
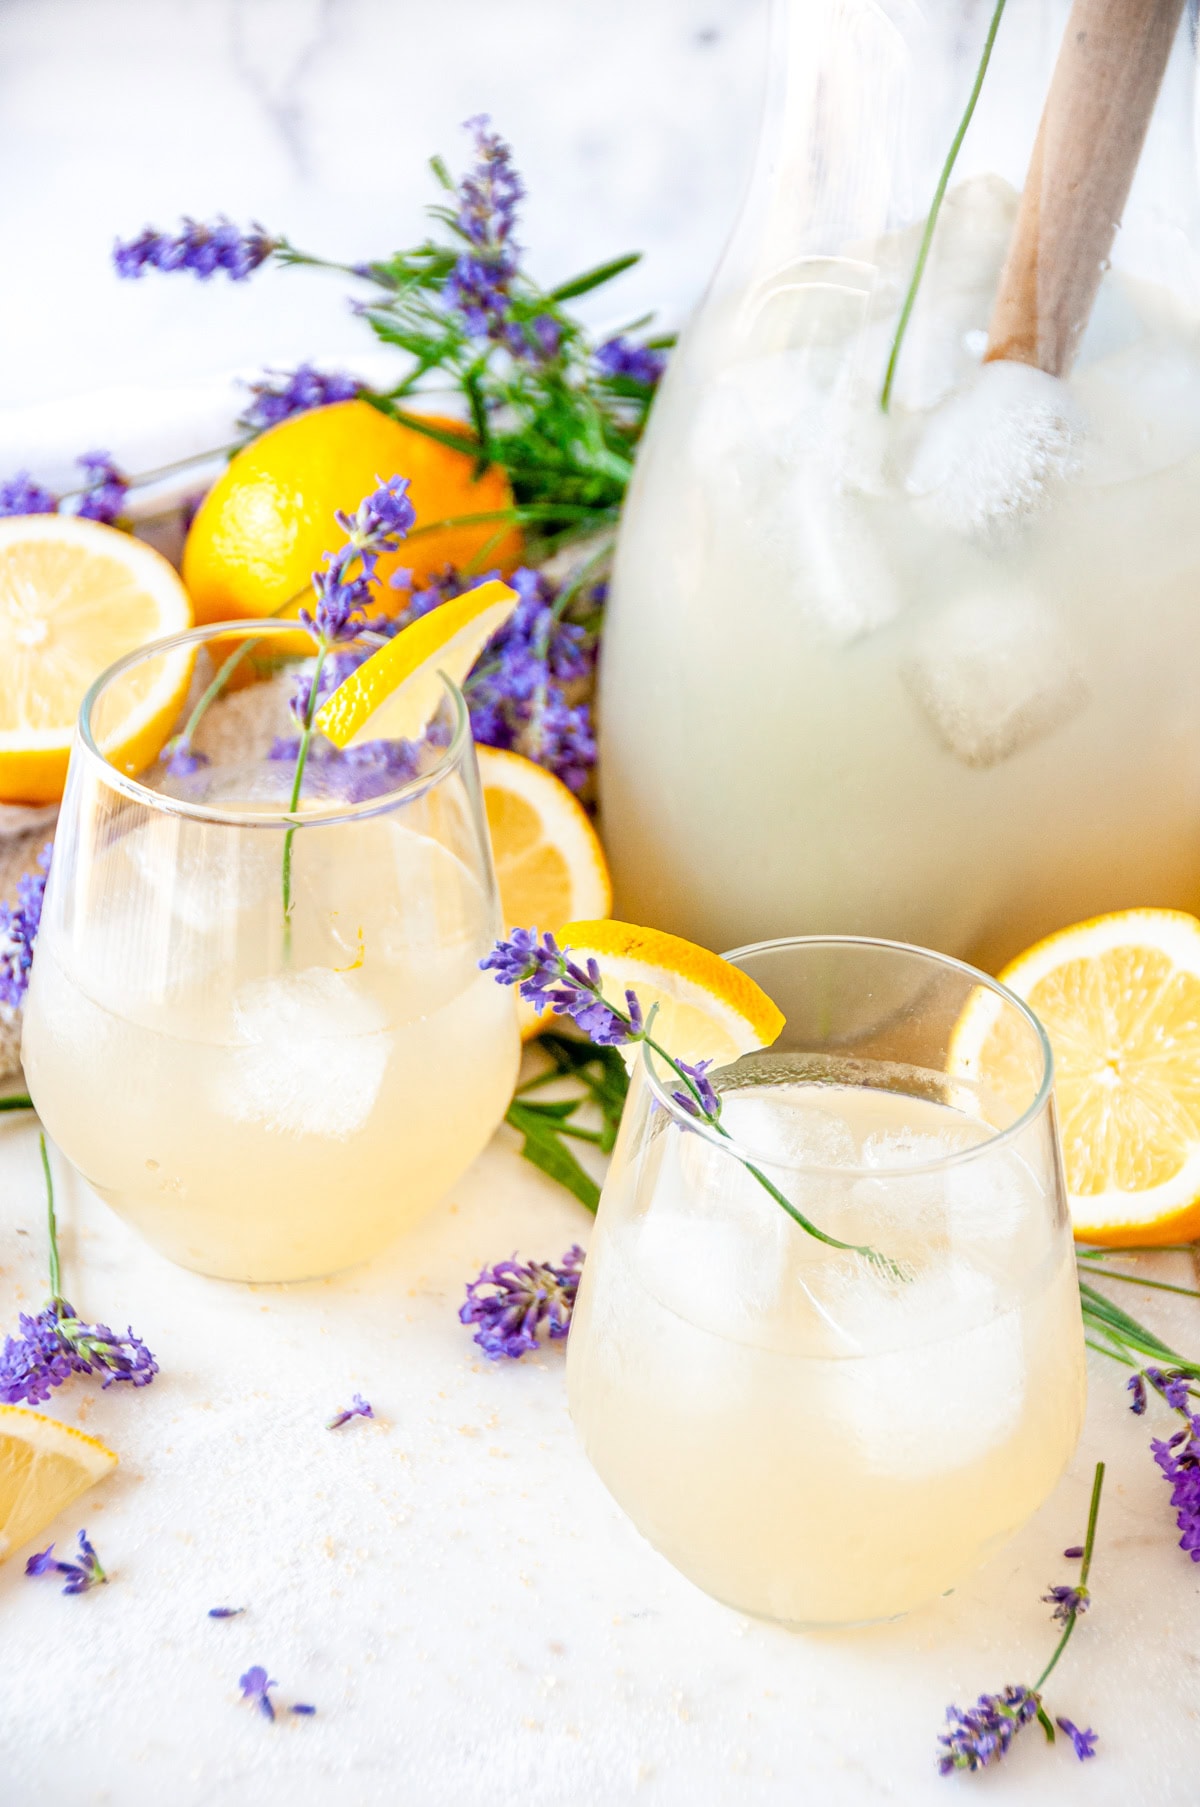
[(1119, 998), (394, 693), (75, 596), (550, 865), (707, 1009), (44, 1465)]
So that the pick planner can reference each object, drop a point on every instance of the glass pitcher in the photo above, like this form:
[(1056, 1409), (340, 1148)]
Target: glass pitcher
[(904, 637)]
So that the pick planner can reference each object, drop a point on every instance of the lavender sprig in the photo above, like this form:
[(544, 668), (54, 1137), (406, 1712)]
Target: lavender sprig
[(201, 249), (1177, 1457), (256, 1687), (84, 1573), (57, 1343), (981, 1735), (378, 525), (103, 497), (520, 692), (21, 495), (514, 1301), (548, 978), (19, 926), (280, 394), (359, 1409), (621, 357)]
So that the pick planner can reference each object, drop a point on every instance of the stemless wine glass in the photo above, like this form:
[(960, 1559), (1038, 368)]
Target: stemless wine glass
[(260, 1032), (809, 1434)]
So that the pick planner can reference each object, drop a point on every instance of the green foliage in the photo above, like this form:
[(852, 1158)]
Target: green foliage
[(548, 1126)]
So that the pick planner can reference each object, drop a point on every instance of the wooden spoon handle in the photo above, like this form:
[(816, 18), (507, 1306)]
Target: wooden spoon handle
[(1106, 80)]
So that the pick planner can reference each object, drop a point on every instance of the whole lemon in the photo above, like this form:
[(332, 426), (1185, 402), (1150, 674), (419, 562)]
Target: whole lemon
[(265, 525)]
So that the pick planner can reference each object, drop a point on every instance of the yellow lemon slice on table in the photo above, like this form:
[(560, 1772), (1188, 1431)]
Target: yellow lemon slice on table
[(44, 1465), (75, 596), (1119, 998), (395, 693), (550, 865), (707, 1009)]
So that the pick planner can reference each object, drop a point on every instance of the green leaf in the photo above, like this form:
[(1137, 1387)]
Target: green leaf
[(593, 279), (1044, 1721), (543, 1148), (442, 173)]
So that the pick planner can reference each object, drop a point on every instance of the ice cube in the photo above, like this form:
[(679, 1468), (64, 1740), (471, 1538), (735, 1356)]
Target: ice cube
[(310, 1053), (712, 1243), (948, 330), (1144, 406), (997, 450), (949, 1381), (772, 444), (993, 674), (789, 1130)]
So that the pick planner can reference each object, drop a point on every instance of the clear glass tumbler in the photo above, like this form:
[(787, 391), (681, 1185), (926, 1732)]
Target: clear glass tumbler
[(807, 1434), (266, 1089)]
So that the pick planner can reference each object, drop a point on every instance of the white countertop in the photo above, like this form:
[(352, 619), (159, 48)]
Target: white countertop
[(453, 1589)]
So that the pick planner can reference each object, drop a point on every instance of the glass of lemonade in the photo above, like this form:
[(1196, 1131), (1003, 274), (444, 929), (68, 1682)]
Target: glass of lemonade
[(810, 1436), (267, 1094)]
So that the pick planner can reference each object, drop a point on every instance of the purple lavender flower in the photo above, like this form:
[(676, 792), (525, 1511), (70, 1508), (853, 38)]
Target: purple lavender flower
[(256, 1687), (225, 1612), (19, 926), (517, 692), (479, 287), (512, 1301), (1084, 1742), (303, 1708), (1067, 1602), (103, 498), (1172, 1386), (199, 248), (56, 1344), (983, 1734), (82, 1574), (549, 980), (1179, 1460), (379, 523), (489, 195), (359, 1409), (279, 394), (708, 1104), (21, 495), (1178, 1457), (183, 759), (620, 357), (1074, 1552)]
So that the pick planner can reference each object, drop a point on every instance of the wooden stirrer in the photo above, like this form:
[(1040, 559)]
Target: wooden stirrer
[(1105, 83)]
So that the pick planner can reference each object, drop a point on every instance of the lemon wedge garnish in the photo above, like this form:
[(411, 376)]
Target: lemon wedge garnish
[(550, 865), (74, 597), (1119, 998), (395, 693), (707, 1009), (44, 1465)]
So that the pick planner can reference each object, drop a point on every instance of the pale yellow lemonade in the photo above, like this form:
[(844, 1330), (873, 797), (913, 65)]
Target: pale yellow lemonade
[(803, 1436), (263, 1109)]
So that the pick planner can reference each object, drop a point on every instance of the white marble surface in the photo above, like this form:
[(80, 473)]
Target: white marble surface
[(633, 125), (473, 1617)]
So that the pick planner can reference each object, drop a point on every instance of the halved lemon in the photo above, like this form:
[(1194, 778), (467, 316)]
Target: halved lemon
[(707, 1009), (1119, 998), (44, 1465), (75, 596), (394, 693), (550, 865)]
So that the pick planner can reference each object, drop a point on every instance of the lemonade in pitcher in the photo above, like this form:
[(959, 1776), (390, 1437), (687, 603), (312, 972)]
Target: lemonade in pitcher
[(904, 637)]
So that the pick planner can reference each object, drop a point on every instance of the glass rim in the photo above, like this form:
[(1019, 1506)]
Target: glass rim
[(132, 787), (662, 1088)]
